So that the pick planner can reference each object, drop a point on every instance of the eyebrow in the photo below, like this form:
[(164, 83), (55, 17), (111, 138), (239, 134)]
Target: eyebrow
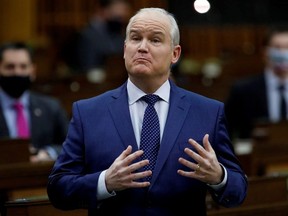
[(157, 32)]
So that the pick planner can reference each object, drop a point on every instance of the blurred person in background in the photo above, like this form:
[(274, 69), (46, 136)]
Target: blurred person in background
[(262, 98), (102, 37), (43, 120)]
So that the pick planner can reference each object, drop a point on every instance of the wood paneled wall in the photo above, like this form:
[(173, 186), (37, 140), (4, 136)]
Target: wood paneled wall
[(46, 24), (236, 49), (17, 20)]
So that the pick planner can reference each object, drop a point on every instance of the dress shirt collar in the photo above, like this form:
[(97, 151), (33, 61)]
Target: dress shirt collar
[(273, 81), (7, 101), (134, 93)]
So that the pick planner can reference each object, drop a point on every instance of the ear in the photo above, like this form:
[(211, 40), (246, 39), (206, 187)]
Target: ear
[(124, 49), (176, 54)]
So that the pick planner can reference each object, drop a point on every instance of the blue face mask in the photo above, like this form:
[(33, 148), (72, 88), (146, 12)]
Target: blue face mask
[(278, 58)]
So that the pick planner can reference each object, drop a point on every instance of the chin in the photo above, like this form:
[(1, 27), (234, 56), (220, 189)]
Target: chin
[(140, 70)]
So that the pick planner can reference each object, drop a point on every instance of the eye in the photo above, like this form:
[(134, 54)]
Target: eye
[(155, 40), (10, 66), (24, 66), (135, 38)]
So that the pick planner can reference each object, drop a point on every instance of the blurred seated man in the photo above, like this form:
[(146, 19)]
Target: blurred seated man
[(26, 114), (263, 98), (103, 36)]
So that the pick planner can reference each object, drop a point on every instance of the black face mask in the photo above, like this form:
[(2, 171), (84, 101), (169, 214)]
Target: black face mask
[(15, 85), (115, 25)]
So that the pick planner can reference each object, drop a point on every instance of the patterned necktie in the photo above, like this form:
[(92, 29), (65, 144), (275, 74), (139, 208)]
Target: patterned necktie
[(150, 134), (283, 108), (21, 121)]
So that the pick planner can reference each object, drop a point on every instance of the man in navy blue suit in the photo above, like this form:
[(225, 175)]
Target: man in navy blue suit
[(257, 99), (101, 168)]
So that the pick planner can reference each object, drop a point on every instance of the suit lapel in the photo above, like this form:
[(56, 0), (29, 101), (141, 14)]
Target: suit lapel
[(262, 97), (178, 110), (255, 101), (119, 110), (35, 118), (3, 126)]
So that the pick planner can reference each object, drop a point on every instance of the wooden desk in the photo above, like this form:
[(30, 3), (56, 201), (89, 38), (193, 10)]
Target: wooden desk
[(266, 153), (21, 175), (266, 196), (8, 154), (39, 207), (270, 149), (273, 209), (25, 179)]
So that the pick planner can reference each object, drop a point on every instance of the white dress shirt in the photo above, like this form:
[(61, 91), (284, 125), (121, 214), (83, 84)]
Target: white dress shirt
[(137, 107), (273, 96)]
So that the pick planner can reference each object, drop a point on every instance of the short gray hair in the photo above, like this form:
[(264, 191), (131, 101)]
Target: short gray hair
[(174, 31)]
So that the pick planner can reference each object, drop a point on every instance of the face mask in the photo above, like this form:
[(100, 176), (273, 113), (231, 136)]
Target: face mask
[(114, 25), (278, 58), (15, 85)]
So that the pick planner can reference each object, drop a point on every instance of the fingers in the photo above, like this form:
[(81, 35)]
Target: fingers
[(202, 149), (128, 157), (207, 144), (196, 170), (204, 165), (124, 172), (193, 166), (126, 152)]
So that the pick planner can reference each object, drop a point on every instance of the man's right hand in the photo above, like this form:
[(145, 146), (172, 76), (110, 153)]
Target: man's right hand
[(123, 173)]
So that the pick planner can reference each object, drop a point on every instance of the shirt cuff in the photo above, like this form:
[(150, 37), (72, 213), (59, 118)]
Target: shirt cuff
[(221, 184), (51, 152), (102, 192)]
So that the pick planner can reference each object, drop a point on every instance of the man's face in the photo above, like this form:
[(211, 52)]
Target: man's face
[(120, 10), (16, 63), (148, 50), (277, 54)]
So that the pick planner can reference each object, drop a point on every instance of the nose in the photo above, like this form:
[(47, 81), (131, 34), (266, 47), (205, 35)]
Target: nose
[(17, 70), (143, 46)]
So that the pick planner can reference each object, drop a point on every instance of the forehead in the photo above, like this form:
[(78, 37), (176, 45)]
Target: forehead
[(12, 55), (151, 22), (279, 39), (120, 9)]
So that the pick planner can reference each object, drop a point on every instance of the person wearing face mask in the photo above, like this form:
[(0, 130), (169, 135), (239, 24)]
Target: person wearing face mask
[(102, 37), (262, 98), (24, 113)]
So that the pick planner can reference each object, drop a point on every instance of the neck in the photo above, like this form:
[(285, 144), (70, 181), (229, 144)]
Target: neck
[(149, 86)]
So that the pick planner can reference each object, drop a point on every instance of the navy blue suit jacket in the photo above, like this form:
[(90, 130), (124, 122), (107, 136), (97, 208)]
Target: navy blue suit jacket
[(101, 129), (246, 106)]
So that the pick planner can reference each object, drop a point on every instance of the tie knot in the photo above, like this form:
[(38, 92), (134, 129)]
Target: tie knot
[(151, 99), (18, 105), (281, 88)]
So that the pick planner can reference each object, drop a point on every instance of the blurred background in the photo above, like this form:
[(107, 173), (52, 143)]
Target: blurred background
[(222, 42), (219, 46)]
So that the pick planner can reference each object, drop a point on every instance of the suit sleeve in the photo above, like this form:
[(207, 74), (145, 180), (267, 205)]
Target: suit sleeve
[(69, 185), (234, 192)]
